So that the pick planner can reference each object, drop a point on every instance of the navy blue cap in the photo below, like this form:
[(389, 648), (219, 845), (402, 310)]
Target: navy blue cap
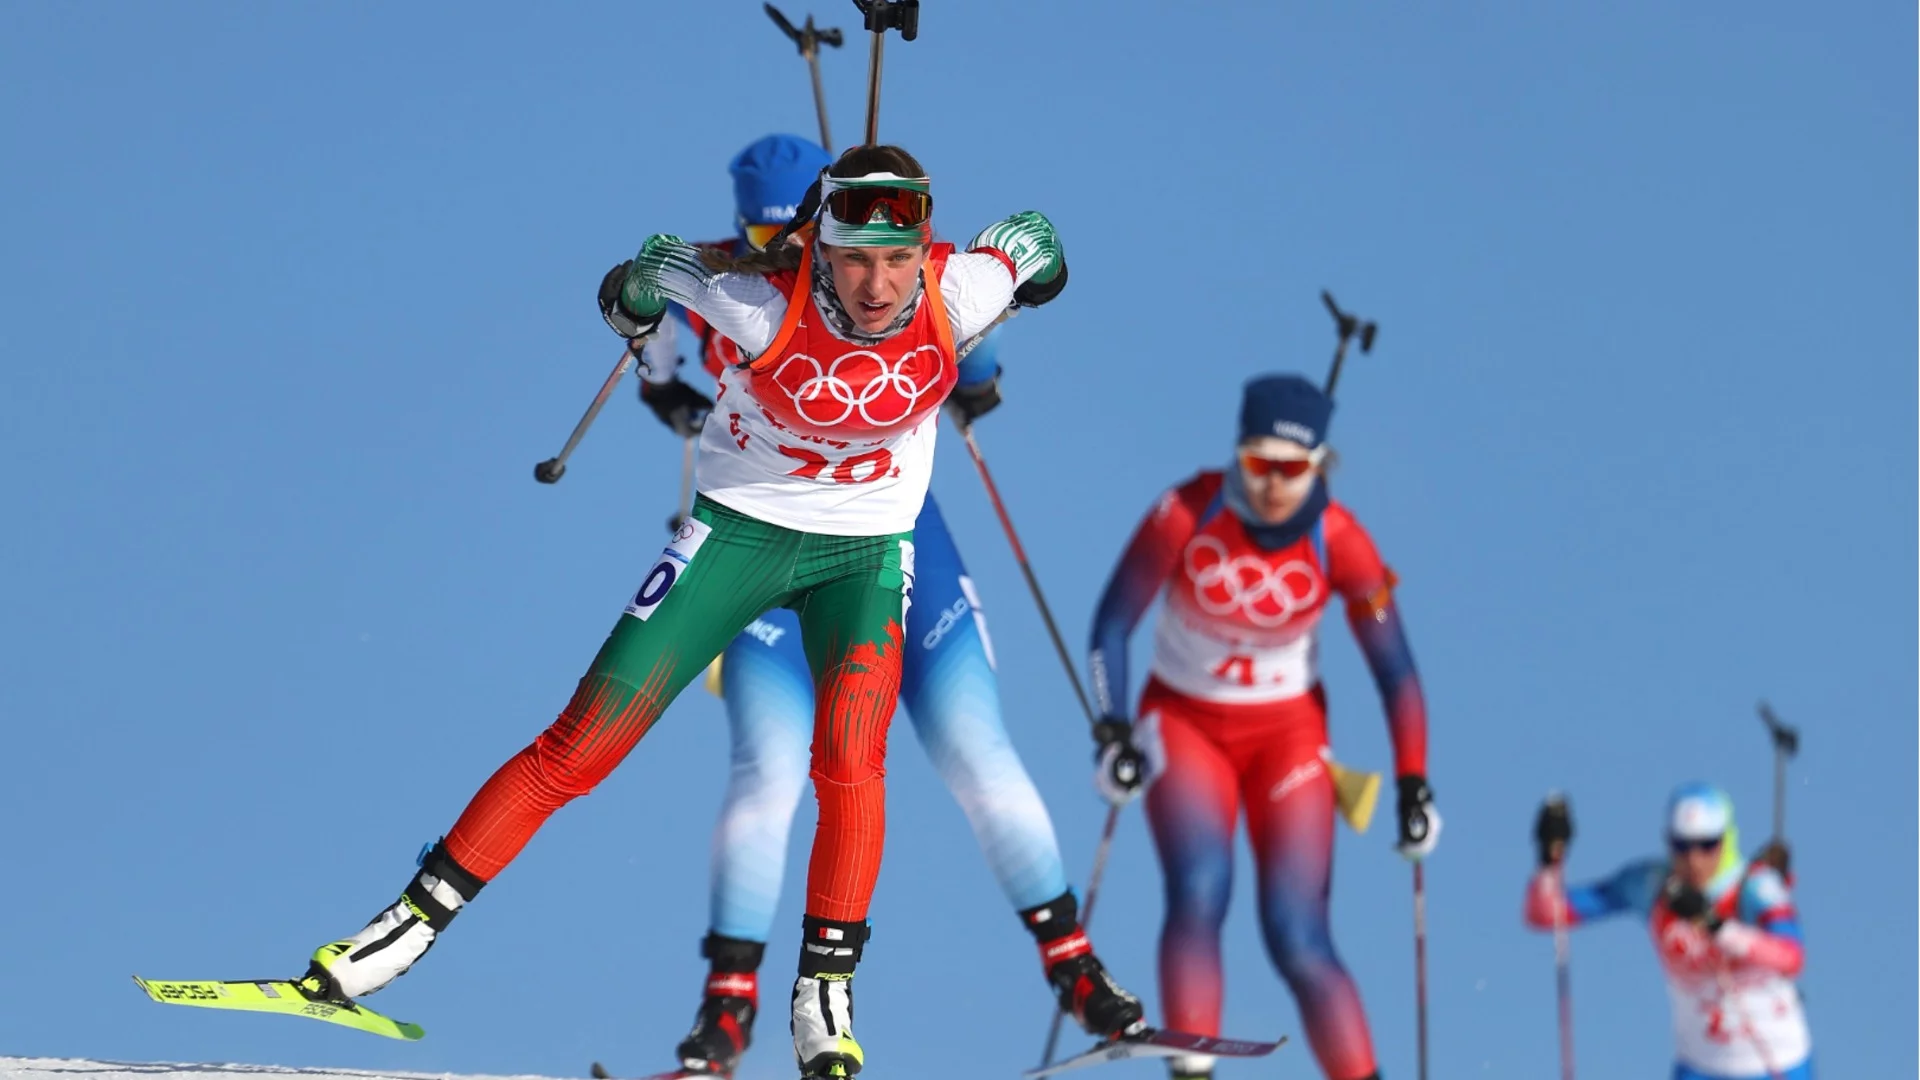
[(1287, 407)]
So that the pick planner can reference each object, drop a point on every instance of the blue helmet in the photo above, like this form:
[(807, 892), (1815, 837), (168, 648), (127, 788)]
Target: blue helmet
[(771, 176)]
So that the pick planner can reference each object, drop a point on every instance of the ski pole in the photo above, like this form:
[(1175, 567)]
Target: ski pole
[(1101, 852), (1073, 676), (1086, 917), (686, 486), (1786, 743), (809, 39), (1420, 960), (1348, 327), (1744, 1021), (551, 470), (1552, 832), (1563, 974), (882, 16), (1026, 569), (1066, 661)]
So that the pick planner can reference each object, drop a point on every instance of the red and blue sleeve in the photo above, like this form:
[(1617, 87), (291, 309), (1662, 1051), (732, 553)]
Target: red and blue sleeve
[(1355, 572), (1143, 570), (1766, 931), (1633, 887)]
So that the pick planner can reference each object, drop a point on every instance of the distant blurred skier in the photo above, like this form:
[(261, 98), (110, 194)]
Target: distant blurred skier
[(948, 687), (1725, 930), (1234, 714)]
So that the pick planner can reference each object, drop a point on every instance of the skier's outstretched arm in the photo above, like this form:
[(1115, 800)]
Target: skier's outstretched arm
[(1366, 584), (744, 307), (1632, 888)]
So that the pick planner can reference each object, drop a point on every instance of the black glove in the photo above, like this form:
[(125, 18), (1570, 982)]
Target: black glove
[(1776, 855), (678, 405), (1553, 830), (1033, 294), (1690, 904), (624, 322), (968, 403), (1419, 821), (1122, 768)]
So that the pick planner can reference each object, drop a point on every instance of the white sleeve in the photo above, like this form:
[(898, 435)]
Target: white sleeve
[(660, 356), (746, 308), (977, 288)]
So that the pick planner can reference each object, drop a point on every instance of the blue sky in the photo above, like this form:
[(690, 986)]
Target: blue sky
[(297, 294)]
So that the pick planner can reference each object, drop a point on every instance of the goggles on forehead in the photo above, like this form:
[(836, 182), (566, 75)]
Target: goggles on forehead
[(904, 208), (1287, 468)]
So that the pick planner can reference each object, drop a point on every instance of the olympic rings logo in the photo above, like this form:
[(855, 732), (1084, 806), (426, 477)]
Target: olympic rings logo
[(1265, 595), (862, 382)]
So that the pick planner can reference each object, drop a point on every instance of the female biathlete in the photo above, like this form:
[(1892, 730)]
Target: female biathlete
[(810, 479), (948, 687), (1724, 927), (1234, 714)]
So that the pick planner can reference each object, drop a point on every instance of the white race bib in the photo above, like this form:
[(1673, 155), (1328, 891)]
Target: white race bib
[(673, 563)]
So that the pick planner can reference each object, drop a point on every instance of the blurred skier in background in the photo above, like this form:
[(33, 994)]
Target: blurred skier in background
[(1234, 715)]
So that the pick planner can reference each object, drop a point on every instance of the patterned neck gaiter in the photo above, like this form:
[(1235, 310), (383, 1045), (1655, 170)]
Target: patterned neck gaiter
[(828, 301)]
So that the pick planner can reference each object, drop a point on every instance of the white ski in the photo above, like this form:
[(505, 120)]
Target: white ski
[(1160, 1044)]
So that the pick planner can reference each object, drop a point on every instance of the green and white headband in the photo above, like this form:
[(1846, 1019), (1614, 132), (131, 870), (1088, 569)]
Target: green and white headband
[(875, 210)]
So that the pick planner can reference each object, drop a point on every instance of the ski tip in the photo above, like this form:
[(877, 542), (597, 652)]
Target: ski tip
[(144, 988)]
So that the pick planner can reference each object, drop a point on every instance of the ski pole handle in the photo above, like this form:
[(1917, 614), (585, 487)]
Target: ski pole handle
[(808, 39), (881, 16)]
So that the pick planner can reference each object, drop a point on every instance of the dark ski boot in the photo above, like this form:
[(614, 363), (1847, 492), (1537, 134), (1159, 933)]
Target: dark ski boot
[(1080, 981), (723, 1028)]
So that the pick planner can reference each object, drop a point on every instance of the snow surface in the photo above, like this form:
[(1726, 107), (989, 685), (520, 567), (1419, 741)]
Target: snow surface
[(12, 1068)]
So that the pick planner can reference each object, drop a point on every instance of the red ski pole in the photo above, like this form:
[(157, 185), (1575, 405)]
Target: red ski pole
[(1079, 691), (1033, 583)]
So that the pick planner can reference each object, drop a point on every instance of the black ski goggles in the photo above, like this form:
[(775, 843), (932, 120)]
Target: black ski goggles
[(905, 207)]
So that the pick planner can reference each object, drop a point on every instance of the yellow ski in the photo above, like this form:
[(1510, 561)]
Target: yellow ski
[(276, 996)]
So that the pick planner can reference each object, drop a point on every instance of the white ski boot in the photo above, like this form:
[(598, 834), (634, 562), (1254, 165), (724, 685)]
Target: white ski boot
[(397, 937), (823, 1042)]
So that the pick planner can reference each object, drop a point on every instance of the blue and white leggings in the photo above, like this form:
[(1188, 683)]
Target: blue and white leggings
[(950, 694)]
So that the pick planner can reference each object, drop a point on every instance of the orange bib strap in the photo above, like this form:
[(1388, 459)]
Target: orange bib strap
[(798, 296), (937, 307)]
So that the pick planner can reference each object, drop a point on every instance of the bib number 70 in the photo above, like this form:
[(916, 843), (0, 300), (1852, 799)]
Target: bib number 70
[(857, 469)]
